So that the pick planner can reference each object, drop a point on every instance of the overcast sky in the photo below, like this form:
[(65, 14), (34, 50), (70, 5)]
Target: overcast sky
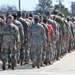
[(30, 4)]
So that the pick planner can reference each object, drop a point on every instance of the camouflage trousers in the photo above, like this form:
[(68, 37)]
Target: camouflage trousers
[(53, 50), (48, 52), (36, 52), (58, 49), (8, 50), (27, 51)]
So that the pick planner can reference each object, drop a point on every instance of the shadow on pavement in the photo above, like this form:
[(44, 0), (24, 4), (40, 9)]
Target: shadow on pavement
[(19, 67)]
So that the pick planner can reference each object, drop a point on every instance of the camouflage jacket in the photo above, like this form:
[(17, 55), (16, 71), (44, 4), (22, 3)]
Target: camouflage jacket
[(37, 34), (10, 34)]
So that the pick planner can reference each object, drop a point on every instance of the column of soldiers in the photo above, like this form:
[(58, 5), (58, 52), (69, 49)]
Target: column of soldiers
[(40, 39)]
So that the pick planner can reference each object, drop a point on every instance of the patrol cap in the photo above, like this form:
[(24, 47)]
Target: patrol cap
[(36, 17), (61, 14), (30, 15), (68, 18), (55, 12), (48, 13), (40, 16), (27, 15), (19, 13), (7, 14), (14, 14), (24, 14), (45, 17), (10, 17), (73, 19)]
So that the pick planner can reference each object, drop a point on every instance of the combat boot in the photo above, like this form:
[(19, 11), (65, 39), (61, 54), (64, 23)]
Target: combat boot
[(13, 66), (9, 61), (4, 65), (9, 66), (18, 61), (46, 62), (34, 64), (42, 64), (38, 65), (21, 62), (26, 61), (13, 63)]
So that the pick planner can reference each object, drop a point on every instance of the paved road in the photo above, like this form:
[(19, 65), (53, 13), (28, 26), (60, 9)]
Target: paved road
[(65, 66)]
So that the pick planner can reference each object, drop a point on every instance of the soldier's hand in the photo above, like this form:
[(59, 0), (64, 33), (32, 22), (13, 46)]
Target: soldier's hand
[(18, 45)]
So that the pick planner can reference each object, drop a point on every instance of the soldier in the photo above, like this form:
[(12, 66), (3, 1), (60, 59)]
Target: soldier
[(72, 31), (31, 17), (21, 31), (37, 38), (59, 20), (63, 26), (48, 49), (52, 36), (69, 34), (25, 16), (25, 26), (73, 20), (11, 39), (1, 36), (46, 31)]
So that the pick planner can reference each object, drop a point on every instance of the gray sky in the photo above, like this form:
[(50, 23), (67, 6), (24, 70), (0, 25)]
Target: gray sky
[(30, 4)]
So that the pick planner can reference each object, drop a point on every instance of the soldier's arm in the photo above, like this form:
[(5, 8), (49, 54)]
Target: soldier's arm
[(17, 35), (29, 33), (21, 32), (43, 33)]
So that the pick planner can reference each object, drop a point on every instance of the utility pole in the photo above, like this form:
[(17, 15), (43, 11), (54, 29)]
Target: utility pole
[(19, 5)]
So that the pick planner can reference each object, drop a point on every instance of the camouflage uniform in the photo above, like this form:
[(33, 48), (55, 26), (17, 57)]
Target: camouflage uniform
[(66, 36), (21, 31), (71, 35), (72, 31), (61, 35), (26, 25), (56, 40), (10, 40), (45, 49), (1, 24), (37, 38), (25, 53), (27, 49), (51, 40)]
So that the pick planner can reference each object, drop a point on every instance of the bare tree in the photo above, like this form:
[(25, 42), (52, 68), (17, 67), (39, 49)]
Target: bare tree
[(43, 6), (8, 8)]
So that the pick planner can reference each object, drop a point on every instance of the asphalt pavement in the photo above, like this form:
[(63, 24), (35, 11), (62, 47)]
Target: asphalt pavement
[(64, 66)]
